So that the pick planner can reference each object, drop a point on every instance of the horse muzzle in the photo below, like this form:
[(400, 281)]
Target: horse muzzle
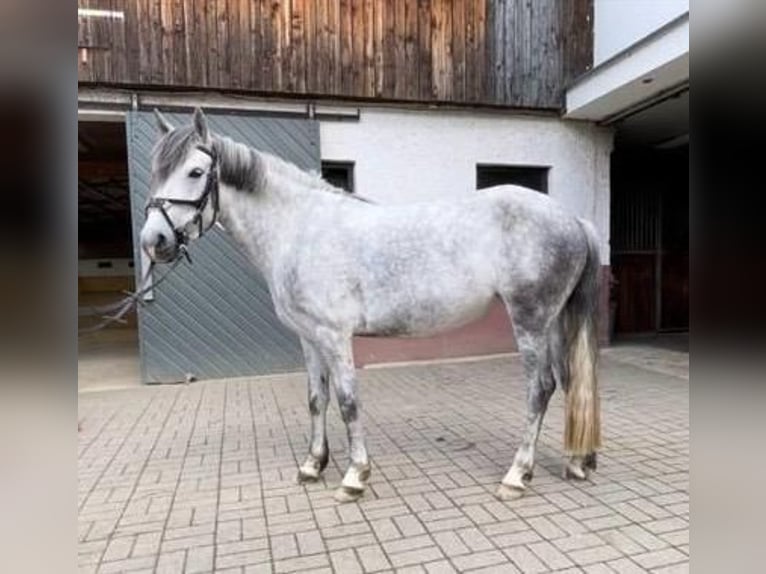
[(161, 247)]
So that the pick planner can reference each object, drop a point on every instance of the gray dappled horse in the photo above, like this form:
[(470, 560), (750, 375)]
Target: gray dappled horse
[(339, 266)]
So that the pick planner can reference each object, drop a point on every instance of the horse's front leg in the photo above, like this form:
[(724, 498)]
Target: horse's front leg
[(340, 361), (318, 398)]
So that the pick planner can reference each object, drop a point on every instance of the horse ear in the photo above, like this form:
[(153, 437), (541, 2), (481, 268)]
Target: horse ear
[(162, 123), (200, 124)]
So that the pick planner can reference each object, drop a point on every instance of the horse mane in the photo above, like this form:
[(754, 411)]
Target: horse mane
[(266, 167), (242, 166), (276, 166)]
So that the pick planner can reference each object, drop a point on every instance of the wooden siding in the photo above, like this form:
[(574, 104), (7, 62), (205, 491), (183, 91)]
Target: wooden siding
[(518, 53)]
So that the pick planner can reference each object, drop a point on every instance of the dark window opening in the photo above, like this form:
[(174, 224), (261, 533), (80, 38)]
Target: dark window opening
[(533, 177), (339, 173)]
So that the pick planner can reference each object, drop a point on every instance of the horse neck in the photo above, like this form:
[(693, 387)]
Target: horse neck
[(262, 211)]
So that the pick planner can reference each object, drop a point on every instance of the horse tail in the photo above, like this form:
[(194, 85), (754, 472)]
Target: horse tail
[(582, 428)]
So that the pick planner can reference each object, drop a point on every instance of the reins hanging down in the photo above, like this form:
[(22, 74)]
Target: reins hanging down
[(115, 312)]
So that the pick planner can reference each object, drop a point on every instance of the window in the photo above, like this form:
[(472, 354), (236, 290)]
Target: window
[(339, 173), (533, 177)]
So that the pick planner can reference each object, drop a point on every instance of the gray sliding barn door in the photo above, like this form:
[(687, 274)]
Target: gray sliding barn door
[(214, 318)]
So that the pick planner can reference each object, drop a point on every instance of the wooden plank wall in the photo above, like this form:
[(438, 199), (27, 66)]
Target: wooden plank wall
[(517, 53)]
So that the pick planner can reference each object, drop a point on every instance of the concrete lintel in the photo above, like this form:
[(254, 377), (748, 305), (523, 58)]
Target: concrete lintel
[(650, 67)]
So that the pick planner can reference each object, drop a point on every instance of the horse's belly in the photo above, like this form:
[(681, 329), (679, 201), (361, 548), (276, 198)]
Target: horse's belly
[(424, 317)]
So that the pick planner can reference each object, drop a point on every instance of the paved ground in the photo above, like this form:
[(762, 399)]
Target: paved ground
[(108, 359), (200, 478)]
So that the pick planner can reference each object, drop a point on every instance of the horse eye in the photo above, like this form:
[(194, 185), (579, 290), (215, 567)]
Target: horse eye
[(196, 173)]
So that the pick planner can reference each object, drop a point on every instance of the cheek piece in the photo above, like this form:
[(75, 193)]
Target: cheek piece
[(209, 195)]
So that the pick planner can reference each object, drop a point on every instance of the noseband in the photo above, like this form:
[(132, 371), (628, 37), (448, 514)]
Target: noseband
[(209, 194)]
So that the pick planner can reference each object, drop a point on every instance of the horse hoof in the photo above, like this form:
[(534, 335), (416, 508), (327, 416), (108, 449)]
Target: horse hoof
[(305, 476), (506, 492), (346, 494), (308, 473), (576, 472)]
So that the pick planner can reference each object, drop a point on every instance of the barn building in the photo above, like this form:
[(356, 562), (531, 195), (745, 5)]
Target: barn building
[(402, 101)]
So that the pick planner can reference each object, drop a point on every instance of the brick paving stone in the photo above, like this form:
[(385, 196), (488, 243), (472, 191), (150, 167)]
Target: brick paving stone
[(440, 567), (621, 542), (183, 543), (385, 529), (164, 488), (451, 544), (171, 562), (677, 538), (525, 560), (308, 563), (310, 542), (605, 522), (595, 554), (577, 542), (119, 548), (643, 537), (242, 558), (550, 555), (448, 524), (266, 568), (478, 515), (418, 556), (127, 565), (353, 541), (242, 546), (229, 531), (625, 566), (407, 544), (561, 501), (516, 539), (506, 568), (658, 558), (478, 560), (545, 528), (346, 561), (372, 558), (409, 525), (682, 568), (474, 539), (666, 525), (505, 527), (568, 524), (199, 560)]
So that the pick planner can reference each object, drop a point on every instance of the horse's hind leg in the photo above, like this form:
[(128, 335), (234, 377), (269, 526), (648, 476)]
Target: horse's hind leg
[(540, 387), (532, 326), (318, 398)]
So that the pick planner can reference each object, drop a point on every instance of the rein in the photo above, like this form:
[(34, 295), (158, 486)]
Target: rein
[(115, 312), (119, 309)]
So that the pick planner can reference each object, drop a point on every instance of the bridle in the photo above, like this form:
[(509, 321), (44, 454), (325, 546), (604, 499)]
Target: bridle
[(209, 194)]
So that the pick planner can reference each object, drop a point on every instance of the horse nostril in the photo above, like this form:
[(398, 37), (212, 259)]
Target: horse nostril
[(161, 240)]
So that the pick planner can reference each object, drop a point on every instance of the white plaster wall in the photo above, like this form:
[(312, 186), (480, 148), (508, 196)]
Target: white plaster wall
[(620, 23), (405, 156)]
